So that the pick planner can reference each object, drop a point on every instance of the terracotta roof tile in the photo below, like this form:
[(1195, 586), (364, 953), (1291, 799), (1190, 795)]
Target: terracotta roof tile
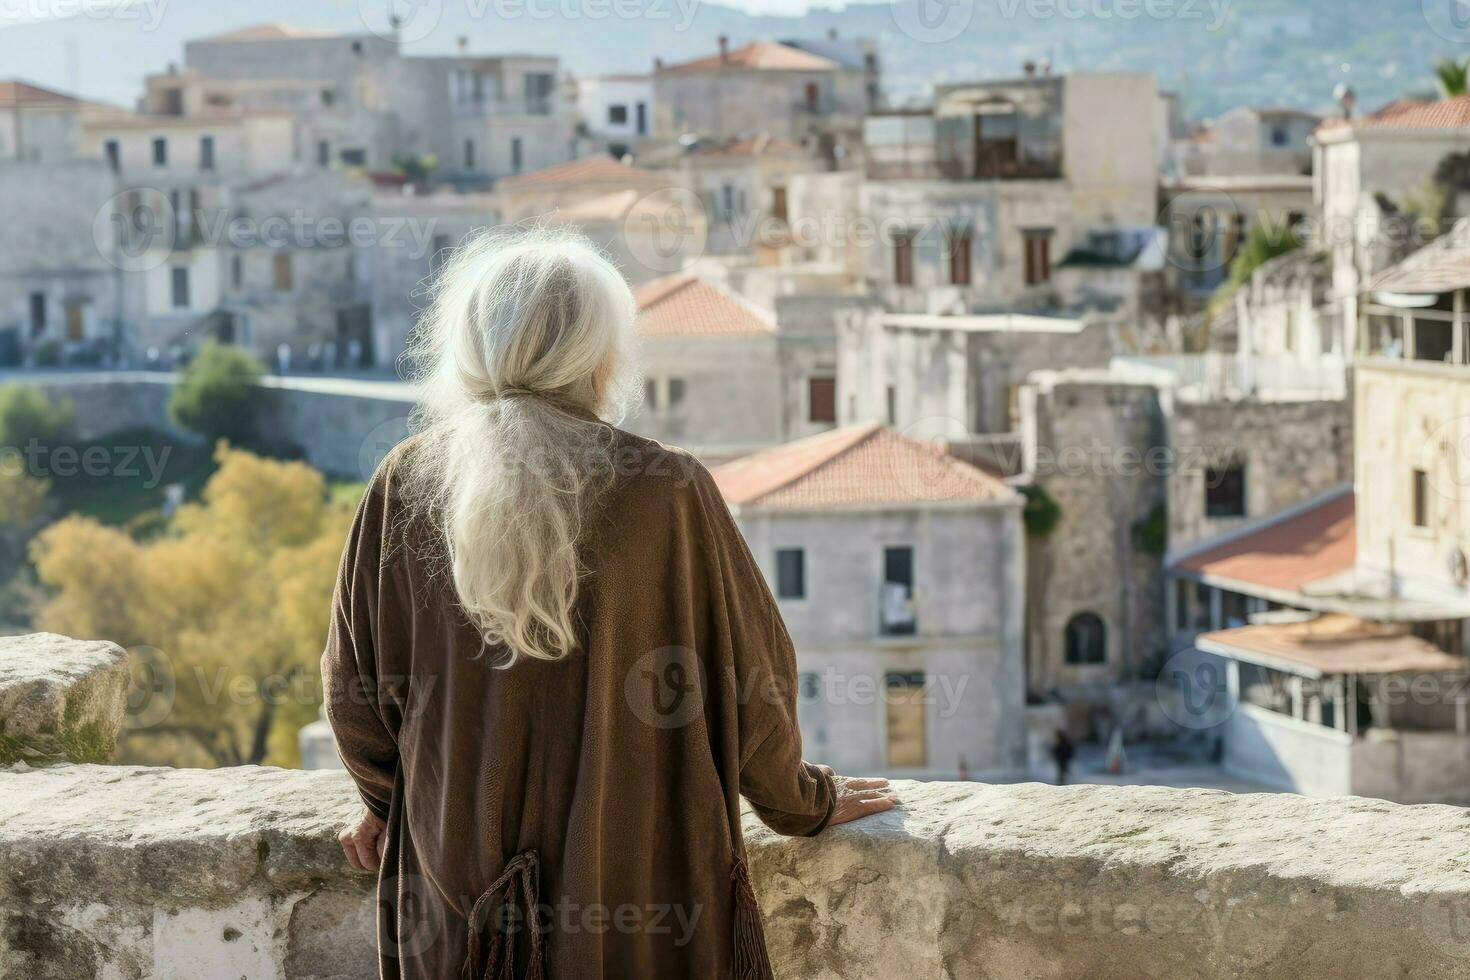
[(17, 93), (593, 170), (854, 466), (1332, 644), (1287, 554), (756, 56), (685, 305), (1451, 113)]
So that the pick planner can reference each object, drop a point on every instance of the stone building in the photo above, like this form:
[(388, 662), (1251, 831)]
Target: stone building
[(743, 185), (766, 87), (1250, 140), (974, 200), (899, 572), (961, 373)]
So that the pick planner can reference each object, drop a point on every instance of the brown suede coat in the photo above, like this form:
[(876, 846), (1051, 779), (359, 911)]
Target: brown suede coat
[(601, 790)]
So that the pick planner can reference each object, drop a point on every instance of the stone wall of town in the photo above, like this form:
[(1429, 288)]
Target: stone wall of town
[(1292, 451), (128, 872)]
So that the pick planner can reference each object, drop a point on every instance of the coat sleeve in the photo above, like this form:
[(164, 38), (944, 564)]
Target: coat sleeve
[(791, 796), (361, 702)]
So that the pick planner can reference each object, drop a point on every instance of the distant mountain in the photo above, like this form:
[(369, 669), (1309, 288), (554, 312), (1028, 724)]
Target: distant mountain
[(1216, 53)]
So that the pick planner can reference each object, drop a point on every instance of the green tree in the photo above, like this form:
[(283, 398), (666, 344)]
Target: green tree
[(216, 395), (1265, 242), (28, 417), (1453, 77)]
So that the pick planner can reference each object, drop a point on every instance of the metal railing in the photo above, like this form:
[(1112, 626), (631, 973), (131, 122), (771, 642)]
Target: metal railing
[(1215, 375)]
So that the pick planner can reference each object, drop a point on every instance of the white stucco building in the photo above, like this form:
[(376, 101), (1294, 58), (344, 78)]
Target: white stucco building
[(899, 574)]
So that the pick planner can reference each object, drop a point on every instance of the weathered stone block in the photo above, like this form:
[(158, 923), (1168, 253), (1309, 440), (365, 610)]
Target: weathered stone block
[(60, 699)]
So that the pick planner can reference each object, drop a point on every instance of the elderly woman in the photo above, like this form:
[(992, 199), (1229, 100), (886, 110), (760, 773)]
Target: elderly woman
[(554, 667)]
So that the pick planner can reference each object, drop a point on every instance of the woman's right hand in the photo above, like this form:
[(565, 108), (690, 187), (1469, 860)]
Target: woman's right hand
[(859, 796)]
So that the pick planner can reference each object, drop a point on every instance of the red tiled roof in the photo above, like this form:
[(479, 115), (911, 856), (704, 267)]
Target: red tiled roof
[(1287, 554), (854, 466), (685, 305), (1332, 644), (1451, 113), (17, 93), (756, 56), (599, 170)]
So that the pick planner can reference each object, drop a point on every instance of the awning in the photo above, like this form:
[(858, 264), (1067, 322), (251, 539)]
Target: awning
[(1331, 644)]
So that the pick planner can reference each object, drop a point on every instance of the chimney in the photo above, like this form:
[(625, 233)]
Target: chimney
[(724, 47), (1046, 66), (1346, 98), (1029, 68)]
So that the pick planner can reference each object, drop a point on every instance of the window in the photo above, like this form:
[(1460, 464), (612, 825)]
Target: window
[(896, 614), (1038, 256), (539, 86), (813, 96), (328, 97), (469, 154), (281, 276), (75, 320), (1225, 490), (160, 153), (821, 400), (959, 258), (790, 573), (676, 391), (650, 394), (237, 271), (180, 287), (903, 259), (1421, 498), (113, 152), (354, 156), (617, 115), (323, 154), (778, 204), (1087, 639), (1279, 136), (206, 153), (904, 710), (642, 118), (727, 201), (890, 406), (38, 314), (440, 253), (515, 155)]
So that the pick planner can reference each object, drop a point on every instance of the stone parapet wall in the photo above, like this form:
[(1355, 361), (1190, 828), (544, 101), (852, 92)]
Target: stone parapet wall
[(127, 872)]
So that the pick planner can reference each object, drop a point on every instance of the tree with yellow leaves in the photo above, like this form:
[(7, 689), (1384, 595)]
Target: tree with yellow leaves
[(227, 609)]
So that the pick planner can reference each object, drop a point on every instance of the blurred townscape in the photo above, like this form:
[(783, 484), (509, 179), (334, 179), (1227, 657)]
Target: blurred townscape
[(1090, 423)]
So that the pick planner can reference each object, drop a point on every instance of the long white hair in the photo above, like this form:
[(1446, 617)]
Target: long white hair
[(529, 341)]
